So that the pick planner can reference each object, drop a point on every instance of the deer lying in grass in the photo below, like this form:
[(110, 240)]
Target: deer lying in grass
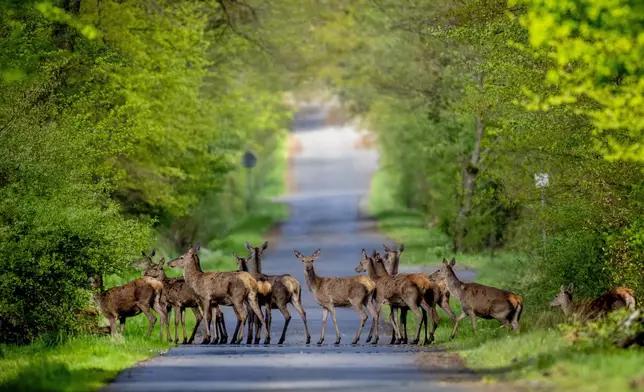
[(617, 298), (332, 292), (482, 301), (285, 289), (138, 296), (402, 290), (220, 288)]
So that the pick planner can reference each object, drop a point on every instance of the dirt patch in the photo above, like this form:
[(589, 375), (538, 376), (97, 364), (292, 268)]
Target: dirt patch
[(450, 368)]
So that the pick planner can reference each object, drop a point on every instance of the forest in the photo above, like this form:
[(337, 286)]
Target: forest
[(508, 126)]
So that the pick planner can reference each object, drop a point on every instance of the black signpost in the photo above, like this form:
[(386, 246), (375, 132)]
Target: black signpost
[(249, 160)]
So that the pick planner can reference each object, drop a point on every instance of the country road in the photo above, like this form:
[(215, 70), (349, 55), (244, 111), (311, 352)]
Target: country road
[(331, 177)]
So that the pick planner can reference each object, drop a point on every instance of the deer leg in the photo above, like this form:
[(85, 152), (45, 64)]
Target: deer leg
[(121, 325), (403, 324), (215, 335), (359, 307), (151, 318), (375, 314), (287, 318), (236, 339), (432, 310), (207, 316), (198, 318), (448, 309), (325, 313), (222, 328), (419, 316), (393, 316), (455, 328), (335, 324), (473, 317), (258, 314), (300, 310), (268, 317), (251, 322), (112, 320), (183, 324)]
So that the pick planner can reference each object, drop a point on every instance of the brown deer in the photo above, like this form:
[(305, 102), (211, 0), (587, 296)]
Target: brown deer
[(128, 300), (178, 296), (285, 289), (401, 290), (441, 293), (482, 301), (332, 292), (220, 288), (617, 298)]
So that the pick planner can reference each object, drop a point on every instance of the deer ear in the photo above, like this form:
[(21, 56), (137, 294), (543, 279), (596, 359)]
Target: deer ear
[(364, 254), (386, 248), (153, 252), (162, 261), (315, 254), (298, 254), (453, 261), (402, 248), (248, 246), (265, 245), (570, 288), (444, 260), (143, 254), (197, 246)]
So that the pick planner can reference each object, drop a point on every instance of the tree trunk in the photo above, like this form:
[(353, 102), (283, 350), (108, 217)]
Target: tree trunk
[(470, 174)]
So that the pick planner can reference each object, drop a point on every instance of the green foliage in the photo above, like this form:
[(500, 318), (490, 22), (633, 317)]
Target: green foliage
[(120, 120)]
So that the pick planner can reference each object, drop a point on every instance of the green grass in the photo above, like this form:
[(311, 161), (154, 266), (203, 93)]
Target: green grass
[(539, 355), (87, 362), (78, 364)]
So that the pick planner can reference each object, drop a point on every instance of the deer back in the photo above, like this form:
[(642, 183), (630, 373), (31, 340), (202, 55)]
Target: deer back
[(340, 290), (123, 300), (486, 301)]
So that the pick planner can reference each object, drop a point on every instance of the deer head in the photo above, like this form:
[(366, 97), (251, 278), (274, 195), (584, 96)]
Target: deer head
[(145, 260), (445, 268), (308, 261), (155, 270), (186, 258), (256, 252), (242, 262), (563, 298), (364, 263)]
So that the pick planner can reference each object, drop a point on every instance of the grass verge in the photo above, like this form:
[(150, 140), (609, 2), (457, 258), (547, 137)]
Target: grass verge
[(538, 357)]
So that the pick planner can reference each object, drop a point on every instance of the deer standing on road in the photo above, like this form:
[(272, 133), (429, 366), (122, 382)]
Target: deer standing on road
[(401, 290), (220, 288), (178, 296), (617, 298), (128, 300), (482, 301), (285, 289), (332, 292)]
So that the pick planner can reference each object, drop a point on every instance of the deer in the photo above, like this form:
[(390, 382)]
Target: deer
[(401, 290), (617, 298), (128, 300), (332, 292), (220, 288), (440, 293), (178, 296), (478, 300), (285, 289)]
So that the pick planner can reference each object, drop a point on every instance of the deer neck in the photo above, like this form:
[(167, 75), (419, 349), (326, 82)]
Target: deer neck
[(243, 266), (311, 278), (379, 269), (371, 271), (192, 271), (453, 284), (256, 263), (394, 265)]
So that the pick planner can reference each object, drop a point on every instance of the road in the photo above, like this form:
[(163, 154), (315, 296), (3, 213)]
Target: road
[(331, 179)]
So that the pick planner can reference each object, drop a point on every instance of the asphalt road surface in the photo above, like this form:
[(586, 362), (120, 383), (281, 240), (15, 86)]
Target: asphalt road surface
[(331, 178)]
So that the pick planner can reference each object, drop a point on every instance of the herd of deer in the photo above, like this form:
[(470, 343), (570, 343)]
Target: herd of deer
[(248, 292)]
